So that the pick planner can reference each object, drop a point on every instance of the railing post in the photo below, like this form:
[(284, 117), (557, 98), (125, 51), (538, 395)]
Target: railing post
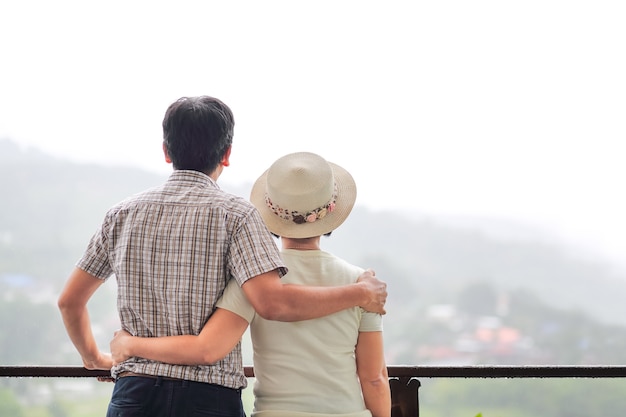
[(404, 396)]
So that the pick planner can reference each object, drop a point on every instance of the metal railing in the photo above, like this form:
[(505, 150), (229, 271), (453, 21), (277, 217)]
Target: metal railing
[(403, 380)]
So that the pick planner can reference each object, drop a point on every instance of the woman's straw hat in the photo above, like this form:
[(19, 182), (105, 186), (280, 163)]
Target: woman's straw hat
[(303, 195)]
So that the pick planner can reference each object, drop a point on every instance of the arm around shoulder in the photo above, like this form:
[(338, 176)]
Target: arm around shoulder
[(274, 300)]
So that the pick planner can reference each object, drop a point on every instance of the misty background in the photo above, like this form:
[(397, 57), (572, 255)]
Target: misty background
[(485, 139), (458, 294), (496, 111)]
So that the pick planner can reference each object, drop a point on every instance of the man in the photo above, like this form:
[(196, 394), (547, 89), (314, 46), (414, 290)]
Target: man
[(173, 249)]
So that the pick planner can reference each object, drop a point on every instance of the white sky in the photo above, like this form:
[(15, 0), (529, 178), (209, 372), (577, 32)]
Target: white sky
[(510, 109)]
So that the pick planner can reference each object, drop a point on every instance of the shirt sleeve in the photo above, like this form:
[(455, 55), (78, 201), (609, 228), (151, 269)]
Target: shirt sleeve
[(95, 260), (371, 322), (233, 299), (253, 250)]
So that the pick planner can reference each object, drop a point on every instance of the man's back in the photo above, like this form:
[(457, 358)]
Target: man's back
[(173, 249)]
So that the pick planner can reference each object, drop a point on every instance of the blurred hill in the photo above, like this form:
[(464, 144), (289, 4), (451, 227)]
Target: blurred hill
[(50, 207)]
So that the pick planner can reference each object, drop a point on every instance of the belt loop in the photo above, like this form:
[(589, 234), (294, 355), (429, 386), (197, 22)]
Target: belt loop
[(159, 379)]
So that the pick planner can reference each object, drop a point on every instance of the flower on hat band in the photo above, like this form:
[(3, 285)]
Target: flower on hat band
[(301, 218)]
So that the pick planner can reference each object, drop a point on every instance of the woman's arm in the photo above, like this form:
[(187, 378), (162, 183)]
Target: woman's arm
[(218, 337), (372, 371)]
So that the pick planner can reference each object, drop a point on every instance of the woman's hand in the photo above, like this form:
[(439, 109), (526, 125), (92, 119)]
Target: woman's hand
[(119, 346)]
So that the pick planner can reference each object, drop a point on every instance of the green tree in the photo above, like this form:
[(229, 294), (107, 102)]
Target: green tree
[(9, 406)]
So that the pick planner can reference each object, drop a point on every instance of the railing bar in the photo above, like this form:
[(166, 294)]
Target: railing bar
[(474, 371), (526, 371), (66, 371)]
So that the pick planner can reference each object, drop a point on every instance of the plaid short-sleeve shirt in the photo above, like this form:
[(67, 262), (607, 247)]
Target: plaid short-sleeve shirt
[(172, 250)]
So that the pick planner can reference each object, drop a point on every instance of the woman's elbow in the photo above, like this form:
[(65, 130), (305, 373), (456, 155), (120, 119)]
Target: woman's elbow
[(374, 377), (377, 381), (208, 359), (212, 355)]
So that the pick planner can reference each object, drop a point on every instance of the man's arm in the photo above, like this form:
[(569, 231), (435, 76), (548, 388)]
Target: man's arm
[(218, 337), (274, 300), (372, 372), (73, 306)]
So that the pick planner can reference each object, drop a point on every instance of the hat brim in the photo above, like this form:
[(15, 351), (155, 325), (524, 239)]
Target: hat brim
[(346, 197)]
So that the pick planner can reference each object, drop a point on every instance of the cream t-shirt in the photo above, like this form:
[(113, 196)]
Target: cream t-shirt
[(307, 368)]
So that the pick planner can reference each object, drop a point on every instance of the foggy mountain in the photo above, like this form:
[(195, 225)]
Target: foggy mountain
[(50, 207)]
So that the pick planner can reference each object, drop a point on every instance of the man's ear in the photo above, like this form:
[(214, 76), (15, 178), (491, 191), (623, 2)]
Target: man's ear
[(226, 158), (166, 154)]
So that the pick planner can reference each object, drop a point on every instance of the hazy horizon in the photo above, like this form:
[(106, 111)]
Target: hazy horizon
[(485, 110)]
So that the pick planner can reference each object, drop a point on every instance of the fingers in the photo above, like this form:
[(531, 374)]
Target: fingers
[(383, 296), (367, 275), (120, 332)]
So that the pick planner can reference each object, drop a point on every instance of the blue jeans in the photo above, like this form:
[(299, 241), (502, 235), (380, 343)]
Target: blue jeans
[(135, 396)]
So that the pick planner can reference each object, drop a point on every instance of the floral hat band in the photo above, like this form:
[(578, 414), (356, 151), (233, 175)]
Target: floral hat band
[(300, 218)]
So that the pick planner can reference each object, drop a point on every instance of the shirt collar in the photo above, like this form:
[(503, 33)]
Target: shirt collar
[(187, 175)]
